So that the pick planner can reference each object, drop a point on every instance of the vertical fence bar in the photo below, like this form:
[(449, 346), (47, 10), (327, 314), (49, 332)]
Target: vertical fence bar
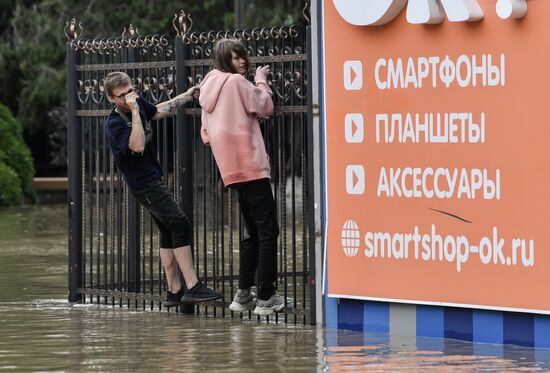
[(75, 179), (311, 185), (84, 217), (105, 193), (88, 134), (120, 235), (184, 151), (96, 186), (134, 220), (133, 258)]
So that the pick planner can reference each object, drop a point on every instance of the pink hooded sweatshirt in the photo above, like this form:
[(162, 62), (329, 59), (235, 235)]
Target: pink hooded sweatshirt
[(231, 106)]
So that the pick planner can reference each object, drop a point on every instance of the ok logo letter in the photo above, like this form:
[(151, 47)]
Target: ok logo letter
[(379, 12)]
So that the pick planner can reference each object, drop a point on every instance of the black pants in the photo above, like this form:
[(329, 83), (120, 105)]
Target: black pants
[(174, 226), (259, 249)]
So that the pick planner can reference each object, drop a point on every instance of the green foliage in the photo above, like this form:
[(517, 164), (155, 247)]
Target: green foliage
[(9, 76), (6, 7), (149, 17), (270, 13), (15, 160), (32, 63), (10, 186)]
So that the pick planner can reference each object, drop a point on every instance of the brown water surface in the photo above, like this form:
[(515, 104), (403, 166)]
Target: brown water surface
[(41, 331)]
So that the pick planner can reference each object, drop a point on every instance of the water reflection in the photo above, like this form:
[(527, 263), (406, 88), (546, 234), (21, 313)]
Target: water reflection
[(40, 330), (347, 350)]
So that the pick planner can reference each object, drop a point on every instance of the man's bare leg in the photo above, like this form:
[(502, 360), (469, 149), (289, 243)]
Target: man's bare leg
[(185, 261), (170, 265)]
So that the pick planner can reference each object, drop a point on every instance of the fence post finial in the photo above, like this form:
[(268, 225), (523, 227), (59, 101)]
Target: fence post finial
[(306, 11), (182, 22), (131, 32), (72, 31)]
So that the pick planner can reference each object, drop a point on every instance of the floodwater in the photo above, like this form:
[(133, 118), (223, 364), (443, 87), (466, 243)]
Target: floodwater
[(41, 331)]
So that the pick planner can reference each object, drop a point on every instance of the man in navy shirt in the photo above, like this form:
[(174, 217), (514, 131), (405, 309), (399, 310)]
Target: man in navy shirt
[(129, 134)]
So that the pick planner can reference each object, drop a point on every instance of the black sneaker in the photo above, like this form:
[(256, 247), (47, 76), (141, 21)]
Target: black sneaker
[(200, 293), (173, 299)]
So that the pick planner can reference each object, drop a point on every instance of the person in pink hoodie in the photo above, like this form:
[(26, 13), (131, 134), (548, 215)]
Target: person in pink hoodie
[(231, 106)]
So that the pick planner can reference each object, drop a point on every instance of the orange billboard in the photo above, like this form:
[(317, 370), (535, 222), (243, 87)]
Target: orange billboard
[(437, 156)]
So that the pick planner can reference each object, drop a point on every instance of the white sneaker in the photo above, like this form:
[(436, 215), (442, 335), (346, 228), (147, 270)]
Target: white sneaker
[(244, 300), (266, 307)]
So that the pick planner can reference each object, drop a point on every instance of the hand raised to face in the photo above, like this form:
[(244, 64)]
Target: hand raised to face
[(131, 100)]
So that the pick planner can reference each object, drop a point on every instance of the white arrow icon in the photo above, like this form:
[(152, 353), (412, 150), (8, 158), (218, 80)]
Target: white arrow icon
[(353, 75), (354, 128), (355, 179)]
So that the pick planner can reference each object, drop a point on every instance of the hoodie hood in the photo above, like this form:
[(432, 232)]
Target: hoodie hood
[(211, 88)]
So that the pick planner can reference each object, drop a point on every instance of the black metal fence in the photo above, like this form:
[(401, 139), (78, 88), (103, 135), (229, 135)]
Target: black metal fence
[(113, 243)]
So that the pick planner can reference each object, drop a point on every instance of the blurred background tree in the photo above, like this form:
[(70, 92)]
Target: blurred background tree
[(16, 166), (33, 48)]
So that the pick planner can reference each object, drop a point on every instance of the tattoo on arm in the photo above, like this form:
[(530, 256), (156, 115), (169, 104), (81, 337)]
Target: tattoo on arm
[(171, 106)]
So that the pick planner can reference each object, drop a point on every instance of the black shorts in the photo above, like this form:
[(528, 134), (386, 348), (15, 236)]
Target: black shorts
[(174, 226)]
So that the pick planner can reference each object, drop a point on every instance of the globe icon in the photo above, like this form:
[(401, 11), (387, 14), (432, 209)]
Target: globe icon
[(350, 238)]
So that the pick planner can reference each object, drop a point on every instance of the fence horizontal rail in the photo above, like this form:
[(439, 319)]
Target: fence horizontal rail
[(126, 66), (257, 59), (195, 111), (202, 62), (157, 298)]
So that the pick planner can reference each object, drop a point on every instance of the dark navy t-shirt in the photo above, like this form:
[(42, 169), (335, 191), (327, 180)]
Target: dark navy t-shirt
[(138, 170)]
